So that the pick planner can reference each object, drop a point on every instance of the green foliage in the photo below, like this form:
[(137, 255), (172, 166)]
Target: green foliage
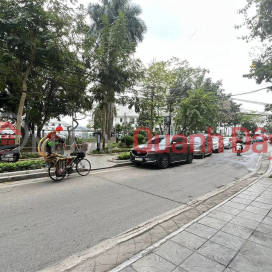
[(141, 139), (229, 111), (113, 56), (143, 119), (27, 155), (127, 140), (259, 25), (197, 112), (143, 132), (127, 129), (124, 156), (120, 150), (155, 133), (157, 81), (268, 128), (36, 38), (118, 128), (97, 118), (80, 141), (21, 165), (29, 142), (135, 26), (96, 152), (250, 125)]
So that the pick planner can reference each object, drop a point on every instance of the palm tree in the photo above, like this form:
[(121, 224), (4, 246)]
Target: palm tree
[(111, 8)]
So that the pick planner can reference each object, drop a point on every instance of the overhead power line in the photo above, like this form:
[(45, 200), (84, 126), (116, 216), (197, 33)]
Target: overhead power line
[(252, 102), (252, 91)]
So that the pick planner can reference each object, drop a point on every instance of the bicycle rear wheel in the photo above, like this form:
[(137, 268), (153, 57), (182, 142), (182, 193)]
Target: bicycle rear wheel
[(56, 174), (83, 167)]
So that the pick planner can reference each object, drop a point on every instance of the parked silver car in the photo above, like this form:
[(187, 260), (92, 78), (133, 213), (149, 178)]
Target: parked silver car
[(198, 144), (227, 142)]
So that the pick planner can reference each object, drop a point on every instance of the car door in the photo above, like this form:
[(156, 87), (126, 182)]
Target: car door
[(178, 156)]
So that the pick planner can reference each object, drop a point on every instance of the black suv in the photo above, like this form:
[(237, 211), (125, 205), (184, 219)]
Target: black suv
[(9, 153), (164, 158)]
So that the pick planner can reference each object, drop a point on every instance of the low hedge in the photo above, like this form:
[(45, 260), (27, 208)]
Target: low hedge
[(127, 140), (123, 156), (80, 141), (21, 165), (114, 150), (29, 155)]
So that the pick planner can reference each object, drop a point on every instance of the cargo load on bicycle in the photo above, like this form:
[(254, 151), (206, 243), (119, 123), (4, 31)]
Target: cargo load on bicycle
[(51, 148)]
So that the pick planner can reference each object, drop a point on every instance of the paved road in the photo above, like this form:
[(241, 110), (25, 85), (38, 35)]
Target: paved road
[(44, 222)]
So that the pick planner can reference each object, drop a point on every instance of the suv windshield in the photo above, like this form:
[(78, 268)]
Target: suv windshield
[(153, 140)]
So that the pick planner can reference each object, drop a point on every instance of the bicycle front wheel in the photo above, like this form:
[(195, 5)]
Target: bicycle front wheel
[(83, 167), (56, 174)]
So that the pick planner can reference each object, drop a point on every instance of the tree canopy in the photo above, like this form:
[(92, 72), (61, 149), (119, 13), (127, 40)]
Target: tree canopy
[(37, 45), (258, 21)]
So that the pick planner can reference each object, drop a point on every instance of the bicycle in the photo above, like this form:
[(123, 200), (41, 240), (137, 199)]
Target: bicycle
[(64, 166)]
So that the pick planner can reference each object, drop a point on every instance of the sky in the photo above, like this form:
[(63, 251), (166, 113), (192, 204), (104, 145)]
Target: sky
[(203, 33)]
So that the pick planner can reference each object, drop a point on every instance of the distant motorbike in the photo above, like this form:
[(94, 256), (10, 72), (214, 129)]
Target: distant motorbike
[(239, 149), (10, 153)]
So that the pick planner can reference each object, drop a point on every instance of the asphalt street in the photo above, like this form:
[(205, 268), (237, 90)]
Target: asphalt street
[(43, 222)]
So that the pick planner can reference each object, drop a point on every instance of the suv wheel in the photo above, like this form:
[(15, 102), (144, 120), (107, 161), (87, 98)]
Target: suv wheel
[(164, 161), (15, 157), (202, 155), (190, 158)]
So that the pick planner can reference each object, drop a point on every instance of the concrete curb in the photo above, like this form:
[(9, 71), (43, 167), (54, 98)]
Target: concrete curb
[(114, 251), (120, 161), (24, 175)]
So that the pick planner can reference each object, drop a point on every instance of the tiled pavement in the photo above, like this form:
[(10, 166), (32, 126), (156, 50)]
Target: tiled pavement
[(98, 162), (237, 236)]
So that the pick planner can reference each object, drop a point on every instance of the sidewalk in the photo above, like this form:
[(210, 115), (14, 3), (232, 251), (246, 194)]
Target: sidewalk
[(235, 236), (228, 229)]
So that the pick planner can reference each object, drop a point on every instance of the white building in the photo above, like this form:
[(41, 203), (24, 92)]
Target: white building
[(125, 115), (80, 131)]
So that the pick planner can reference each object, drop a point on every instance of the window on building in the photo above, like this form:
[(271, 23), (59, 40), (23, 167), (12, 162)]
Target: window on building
[(53, 124), (121, 120)]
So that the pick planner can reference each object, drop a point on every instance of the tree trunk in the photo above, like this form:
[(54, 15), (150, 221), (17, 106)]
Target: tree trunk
[(39, 130), (104, 119), (161, 129), (20, 113), (110, 116)]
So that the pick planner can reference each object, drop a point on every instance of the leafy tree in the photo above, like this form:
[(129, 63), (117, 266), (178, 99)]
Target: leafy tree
[(250, 125), (32, 34), (130, 29), (97, 118), (268, 128), (118, 128), (115, 68), (111, 8), (259, 25), (156, 83), (229, 111), (197, 112), (143, 119), (55, 93)]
